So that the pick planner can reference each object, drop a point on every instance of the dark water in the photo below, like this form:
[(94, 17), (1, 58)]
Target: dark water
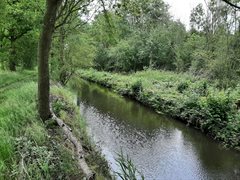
[(160, 147)]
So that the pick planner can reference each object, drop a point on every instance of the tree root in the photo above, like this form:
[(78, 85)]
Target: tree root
[(78, 147)]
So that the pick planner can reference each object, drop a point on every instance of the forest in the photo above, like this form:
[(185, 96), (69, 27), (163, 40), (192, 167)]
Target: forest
[(50, 50)]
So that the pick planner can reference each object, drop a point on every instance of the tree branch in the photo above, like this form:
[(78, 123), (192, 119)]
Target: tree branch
[(231, 4), (68, 9)]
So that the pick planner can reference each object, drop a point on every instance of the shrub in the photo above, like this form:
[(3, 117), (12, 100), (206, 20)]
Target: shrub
[(219, 109), (203, 88), (191, 111), (137, 87), (182, 86)]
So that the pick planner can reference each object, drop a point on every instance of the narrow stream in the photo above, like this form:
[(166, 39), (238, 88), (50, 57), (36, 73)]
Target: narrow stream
[(161, 148)]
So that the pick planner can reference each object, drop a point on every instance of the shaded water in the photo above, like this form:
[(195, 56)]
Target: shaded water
[(160, 147)]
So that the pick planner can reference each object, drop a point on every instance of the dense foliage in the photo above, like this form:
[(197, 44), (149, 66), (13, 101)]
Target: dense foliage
[(142, 35), (19, 30), (126, 36)]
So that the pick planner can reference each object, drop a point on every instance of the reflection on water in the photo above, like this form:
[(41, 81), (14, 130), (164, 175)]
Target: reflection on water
[(160, 147)]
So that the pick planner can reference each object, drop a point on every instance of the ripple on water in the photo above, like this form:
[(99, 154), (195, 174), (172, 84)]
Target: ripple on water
[(161, 148)]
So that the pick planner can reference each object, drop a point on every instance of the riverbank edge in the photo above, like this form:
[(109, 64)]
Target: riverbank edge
[(64, 108), (160, 105), (33, 149)]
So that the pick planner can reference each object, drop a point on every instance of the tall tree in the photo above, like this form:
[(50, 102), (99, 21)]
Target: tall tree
[(44, 49), (52, 15)]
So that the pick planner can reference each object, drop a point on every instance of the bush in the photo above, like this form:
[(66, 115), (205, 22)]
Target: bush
[(191, 111), (137, 88), (219, 109), (203, 88), (182, 86)]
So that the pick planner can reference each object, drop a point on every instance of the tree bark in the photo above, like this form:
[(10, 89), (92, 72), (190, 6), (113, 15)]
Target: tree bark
[(43, 66), (12, 56)]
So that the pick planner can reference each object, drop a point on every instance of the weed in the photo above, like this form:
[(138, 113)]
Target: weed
[(127, 169)]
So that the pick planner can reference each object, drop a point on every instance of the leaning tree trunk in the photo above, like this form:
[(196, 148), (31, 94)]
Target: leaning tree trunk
[(44, 49)]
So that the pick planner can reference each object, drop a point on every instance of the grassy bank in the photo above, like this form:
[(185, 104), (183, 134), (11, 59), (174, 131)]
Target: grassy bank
[(190, 99), (30, 149)]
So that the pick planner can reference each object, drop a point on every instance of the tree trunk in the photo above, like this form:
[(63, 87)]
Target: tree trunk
[(43, 66), (12, 56)]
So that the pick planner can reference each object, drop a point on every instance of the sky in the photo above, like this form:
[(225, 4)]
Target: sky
[(181, 9)]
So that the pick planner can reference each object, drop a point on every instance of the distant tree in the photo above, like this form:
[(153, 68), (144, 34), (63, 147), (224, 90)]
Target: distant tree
[(197, 18), (21, 17)]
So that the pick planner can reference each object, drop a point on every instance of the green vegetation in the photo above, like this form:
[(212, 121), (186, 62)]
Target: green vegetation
[(194, 73), (28, 147), (190, 99), (128, 169), (12, 78), (143, 35)]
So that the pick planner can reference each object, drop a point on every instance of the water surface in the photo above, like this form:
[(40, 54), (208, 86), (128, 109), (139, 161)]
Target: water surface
[(161, 148)]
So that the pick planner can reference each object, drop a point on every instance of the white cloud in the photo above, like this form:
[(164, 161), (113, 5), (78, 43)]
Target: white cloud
[(181, 9)]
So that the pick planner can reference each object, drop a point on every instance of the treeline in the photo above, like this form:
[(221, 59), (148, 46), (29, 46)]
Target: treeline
[(125, 36), (143, 35)]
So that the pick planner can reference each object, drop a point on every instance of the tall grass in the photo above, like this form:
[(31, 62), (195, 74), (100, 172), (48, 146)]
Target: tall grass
[(18, 118), (26, 152), (30, 149)]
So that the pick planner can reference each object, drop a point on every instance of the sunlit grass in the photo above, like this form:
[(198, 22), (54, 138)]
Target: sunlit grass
[(12, 77), (27, 150)]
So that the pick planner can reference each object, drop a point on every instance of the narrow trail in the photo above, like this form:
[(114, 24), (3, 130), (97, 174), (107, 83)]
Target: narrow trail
[(19, 81)]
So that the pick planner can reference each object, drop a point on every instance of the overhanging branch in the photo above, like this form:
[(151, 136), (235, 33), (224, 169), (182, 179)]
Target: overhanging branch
[(231, 4)]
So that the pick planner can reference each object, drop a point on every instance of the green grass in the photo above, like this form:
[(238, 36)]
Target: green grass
[(68, 111), (8, 78), (193, 100), (30, 149), (17, 114)]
